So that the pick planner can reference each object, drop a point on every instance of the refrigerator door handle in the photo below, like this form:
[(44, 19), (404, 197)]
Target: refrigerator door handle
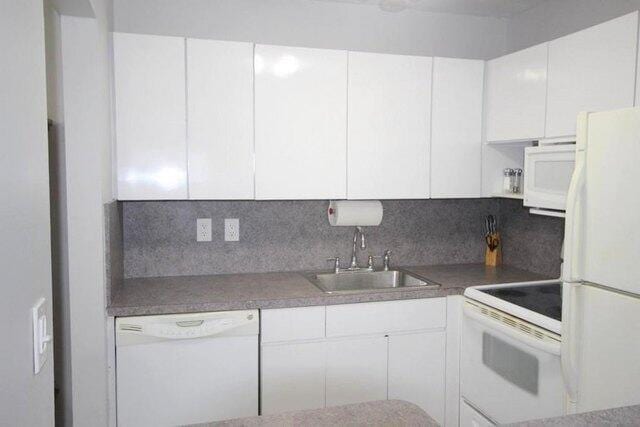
[(571, 245), (567, 346)]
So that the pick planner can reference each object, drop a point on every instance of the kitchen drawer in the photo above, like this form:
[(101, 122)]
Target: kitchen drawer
[(290, 324), (384, 317)]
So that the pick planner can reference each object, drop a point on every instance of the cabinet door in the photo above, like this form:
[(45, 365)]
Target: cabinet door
[(389, 126), (149, 80), (516, 95), (300, 123), (591, 70), (356, 370), (469, 417), (417, 371), (456, 128), (292, 377), (220, 125)]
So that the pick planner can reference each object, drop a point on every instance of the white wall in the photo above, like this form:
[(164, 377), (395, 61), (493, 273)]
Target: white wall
[(87, 129), (62, 342), (25, 256), (79, 87), (313, 23), (557, 18)]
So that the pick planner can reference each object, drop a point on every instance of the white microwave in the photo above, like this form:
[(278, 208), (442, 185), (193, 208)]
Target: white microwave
[(547, 175)]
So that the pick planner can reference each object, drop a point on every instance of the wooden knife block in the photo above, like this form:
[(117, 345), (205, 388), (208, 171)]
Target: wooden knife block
[(493, 258)]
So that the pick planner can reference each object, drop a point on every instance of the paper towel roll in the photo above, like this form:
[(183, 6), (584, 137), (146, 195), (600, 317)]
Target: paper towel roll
[(355, 212)]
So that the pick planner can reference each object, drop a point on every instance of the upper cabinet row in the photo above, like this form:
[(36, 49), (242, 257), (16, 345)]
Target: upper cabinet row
[(238, 121), (204, 119), (538, 92)]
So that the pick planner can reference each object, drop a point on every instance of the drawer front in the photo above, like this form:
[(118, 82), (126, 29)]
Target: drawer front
[(290, 324), (385, 317)]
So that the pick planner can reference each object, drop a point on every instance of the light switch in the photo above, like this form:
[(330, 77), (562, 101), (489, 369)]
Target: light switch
[(41, 335)]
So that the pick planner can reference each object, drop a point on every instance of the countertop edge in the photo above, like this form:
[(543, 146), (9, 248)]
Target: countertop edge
[(246, 291)]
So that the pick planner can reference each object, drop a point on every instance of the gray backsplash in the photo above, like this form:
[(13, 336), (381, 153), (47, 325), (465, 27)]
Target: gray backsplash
[(114, 245), (530, 242), (160, 237)]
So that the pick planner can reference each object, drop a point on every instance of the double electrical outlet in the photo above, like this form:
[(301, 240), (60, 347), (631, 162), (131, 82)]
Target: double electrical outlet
[(231, 229)]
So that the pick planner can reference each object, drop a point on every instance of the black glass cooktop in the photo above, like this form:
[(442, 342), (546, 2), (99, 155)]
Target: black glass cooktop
[(543, 299)]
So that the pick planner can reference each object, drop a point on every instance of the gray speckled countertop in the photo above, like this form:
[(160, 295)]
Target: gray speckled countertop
[(625, 416), (187, 294), (378, 413)]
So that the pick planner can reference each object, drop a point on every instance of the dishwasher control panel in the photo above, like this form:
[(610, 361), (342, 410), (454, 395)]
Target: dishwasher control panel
[(138, 329)]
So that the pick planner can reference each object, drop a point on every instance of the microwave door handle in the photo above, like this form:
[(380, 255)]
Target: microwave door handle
[(547, 347)]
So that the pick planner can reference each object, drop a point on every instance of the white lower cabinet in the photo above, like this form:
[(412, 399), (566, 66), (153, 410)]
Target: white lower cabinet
[(417, 370), (293, 376), (399, 354), (356, 370)]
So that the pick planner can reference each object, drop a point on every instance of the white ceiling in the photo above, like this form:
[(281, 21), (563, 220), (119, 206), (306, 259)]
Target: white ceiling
[(495, 8)]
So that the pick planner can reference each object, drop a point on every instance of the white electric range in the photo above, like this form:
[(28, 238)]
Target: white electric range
[(510, 361)]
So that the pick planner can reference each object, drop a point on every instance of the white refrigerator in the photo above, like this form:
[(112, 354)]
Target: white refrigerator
[(600, 351)]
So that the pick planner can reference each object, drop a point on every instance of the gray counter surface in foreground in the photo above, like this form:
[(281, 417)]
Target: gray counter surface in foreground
[(378, 413), (625, 416)]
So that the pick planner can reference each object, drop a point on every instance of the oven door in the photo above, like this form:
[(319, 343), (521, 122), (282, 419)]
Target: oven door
[(547, 175), (507, 374)]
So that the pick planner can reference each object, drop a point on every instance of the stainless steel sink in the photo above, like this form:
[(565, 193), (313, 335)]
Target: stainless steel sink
[(355, 281)]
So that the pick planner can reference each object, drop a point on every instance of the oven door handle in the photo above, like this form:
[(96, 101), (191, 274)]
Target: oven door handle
[(545, 346)]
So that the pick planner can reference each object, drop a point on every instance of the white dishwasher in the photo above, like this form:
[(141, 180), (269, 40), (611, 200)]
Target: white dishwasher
[(186, 368)]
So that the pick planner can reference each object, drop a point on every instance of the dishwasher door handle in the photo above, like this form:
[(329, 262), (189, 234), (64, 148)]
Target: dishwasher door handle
[(190, 323)]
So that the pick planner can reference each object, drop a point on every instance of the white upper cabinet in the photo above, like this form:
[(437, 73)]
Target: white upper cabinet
[(389, 126), (516, 86), (456, 128), (150, 116), (591, 70), (300, 123), (220, 119)]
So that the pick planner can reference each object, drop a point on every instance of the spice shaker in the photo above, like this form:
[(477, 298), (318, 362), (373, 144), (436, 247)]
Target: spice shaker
[(517, 181), (507, 186)]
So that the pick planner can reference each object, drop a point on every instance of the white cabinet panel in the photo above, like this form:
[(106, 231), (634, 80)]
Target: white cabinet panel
[(637, 88), (469, 417), (220, 119), (516, 87), (149, 80), (591, 70), (389, 126), (417, 371), (288, 324), (452, 352), (356, 370), (292, 377), (300, 123), (385, 317), (456, 127)]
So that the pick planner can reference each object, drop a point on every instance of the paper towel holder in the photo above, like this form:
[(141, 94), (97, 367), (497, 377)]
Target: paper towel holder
[(355, 213)]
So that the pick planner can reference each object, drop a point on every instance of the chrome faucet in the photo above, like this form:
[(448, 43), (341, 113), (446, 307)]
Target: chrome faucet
[(363, 245), (386, 259)]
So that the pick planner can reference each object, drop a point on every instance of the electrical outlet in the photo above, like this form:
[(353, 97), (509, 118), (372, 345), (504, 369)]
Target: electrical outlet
[(203, 229), (231, 230)]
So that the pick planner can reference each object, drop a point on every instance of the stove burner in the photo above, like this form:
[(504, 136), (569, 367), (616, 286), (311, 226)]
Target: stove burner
[(555, 290), (554, 312), (545, 299)]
